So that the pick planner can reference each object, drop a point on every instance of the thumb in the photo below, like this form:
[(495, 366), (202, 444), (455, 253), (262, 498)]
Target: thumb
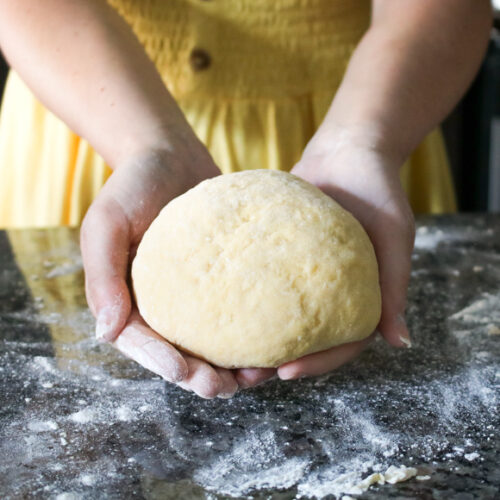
[(104, 241), (393, 246)]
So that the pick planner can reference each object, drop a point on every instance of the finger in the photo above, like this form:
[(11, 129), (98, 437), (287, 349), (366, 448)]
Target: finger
[(202, 378), (140, 343), (393, 247), (324, 361), (229, 385), (250, 377), (105, 242)]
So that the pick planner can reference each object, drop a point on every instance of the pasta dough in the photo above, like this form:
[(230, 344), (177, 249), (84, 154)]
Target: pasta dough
[(254, 269)]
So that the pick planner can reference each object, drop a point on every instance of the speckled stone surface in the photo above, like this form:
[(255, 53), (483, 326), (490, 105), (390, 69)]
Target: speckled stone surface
[(78, 420)]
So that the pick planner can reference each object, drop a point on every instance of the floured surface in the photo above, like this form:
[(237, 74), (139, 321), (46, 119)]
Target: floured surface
[(80, 421)]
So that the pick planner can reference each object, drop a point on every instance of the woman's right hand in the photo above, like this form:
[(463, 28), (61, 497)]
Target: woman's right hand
[(110, 234), (111, 231)]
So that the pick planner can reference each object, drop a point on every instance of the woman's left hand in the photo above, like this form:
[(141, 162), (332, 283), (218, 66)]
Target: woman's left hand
[(366, 183)]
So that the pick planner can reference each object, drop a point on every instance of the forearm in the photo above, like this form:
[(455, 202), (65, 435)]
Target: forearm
[(85, 64), (412, 66)]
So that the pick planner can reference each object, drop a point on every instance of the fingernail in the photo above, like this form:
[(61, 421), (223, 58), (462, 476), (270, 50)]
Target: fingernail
[(226, 395), (406, 341), (405, 336), (106, 323), (288, 375)]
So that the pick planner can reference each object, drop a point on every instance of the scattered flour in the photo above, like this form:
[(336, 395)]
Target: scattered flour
[(471, 456), (483, 311), (44, 363), (88, 479), (124, 414), (68, 266), (83, 416), (254, 448), (428, 238), (358, 450), (68, 496), (37, 426)]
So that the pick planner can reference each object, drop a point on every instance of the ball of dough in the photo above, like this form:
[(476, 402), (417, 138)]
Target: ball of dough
[(254, 269)]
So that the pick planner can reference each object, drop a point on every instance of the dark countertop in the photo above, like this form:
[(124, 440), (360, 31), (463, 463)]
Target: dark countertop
[(78, 420)]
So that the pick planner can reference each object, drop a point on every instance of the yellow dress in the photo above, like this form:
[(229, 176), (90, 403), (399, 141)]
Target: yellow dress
[(254, 78)]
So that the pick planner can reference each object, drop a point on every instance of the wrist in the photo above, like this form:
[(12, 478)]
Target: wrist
[(179, 165), (359, 139), (168, 145), (161, 126)]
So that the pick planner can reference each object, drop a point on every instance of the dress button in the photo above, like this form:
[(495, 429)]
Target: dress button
[(199, 59)]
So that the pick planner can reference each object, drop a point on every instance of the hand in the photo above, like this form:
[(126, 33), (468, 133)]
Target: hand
[(366, 183), (110, 234)]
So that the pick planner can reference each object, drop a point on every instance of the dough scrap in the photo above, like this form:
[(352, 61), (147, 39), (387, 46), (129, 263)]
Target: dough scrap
[(254, 269)]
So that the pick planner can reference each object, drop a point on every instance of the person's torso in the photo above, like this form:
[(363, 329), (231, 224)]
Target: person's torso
[(248, 48)]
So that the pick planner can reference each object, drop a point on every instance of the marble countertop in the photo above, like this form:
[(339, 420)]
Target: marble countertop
[(78, 420)]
